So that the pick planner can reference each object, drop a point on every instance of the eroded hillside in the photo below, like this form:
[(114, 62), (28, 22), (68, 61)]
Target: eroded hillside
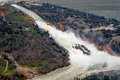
[(103, 32)]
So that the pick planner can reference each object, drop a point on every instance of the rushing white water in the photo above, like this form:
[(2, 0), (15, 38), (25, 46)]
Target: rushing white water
[(80, 63)]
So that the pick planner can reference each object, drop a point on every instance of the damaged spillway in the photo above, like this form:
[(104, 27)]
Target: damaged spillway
[(94, 61)]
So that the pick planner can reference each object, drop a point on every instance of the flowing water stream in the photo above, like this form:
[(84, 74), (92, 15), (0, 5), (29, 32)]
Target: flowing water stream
[(81, 64)]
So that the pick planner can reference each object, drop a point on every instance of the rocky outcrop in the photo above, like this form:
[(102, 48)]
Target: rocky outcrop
[(82, 48)]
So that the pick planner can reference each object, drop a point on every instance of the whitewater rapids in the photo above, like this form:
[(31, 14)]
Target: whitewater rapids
[(80, 64)]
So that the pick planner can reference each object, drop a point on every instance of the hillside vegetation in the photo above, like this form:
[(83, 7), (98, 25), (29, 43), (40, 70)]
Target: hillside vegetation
[(28, 45)]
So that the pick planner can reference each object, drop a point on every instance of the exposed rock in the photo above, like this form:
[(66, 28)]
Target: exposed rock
[(49, 23), (25, 72), (61, 27), (108, 49), (58, 26), (82, 48)]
